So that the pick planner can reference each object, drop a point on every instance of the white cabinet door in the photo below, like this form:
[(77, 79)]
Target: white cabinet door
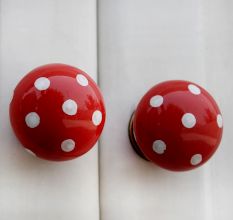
[(35, 33), (142, 43)]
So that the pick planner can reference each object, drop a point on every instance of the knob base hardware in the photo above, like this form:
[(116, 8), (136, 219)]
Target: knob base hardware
[(133, 140)]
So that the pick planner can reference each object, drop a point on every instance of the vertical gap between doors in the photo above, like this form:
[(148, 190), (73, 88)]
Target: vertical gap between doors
[(99, 83)]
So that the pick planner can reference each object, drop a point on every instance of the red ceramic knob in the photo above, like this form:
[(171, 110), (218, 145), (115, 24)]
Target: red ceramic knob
[(57, 112), (177, 125)]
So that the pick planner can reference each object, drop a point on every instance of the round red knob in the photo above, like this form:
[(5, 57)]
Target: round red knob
[(177, 125), (57, 112)]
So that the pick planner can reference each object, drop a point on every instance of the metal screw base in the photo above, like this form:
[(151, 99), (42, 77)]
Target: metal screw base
[(133, 141)]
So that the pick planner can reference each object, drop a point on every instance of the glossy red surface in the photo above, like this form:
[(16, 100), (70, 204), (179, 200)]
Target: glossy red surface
[(168, 136), (47, 135)]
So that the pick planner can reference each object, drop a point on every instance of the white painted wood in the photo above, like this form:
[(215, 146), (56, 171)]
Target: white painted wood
[(35, 33), (141, 44)]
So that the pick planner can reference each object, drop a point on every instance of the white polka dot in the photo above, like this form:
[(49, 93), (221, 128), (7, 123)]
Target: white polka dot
[(219, 121), (188, 120), (68, 145), (70, 107), (32, 119), (42, 83), (97, 117), (194, 89), (196, 159), (159, 146), (82, 80), (30, 152), (156, 101)]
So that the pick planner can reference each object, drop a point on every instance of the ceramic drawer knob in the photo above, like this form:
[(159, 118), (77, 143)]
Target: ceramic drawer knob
[(177, 125), (57, 112)]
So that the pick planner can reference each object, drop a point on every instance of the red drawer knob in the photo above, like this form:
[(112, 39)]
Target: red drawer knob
[(177, 125), (57, 112)]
